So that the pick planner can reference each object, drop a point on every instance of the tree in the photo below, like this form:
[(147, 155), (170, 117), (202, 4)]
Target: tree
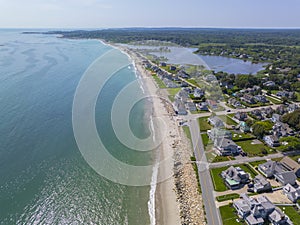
[(258, 130)]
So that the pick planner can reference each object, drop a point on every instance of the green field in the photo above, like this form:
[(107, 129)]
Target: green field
[(253, 149), (228, 120), (203, 123), (218, 182), (292, 213), (229, 216), (192, 81), (205, 139), (274, 100), (173, 91), (223, 198)]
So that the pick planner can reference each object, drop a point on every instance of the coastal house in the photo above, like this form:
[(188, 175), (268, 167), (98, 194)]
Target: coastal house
[(172, 68), (291, 192), (241, 116), (191, 106), (225, 147), (179, 107), (261, 98), (210, 78), (269, 84), (203, 106), (182, 95), (257, 114), (235, 103), (243, 126), (217, 133), (290, 165), (282, 172), (275, 118), (260, 184), (235, 177), (169, 83), (271, 140), (198, 93), (216, 121), (249, 99), (277, 217), (282, 130), (255, 211), (212, 104)]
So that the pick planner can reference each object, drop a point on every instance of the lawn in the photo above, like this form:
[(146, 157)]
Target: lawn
[(241, 136), (159, 82), (229, 121), (192, 81), (229, 216), (298, 96), (274, 100), (173, 91), (257, 163), (205, 139), (227, 197), (203, 123), (219, 158), (218, 182), (292, 213), (253, 149)]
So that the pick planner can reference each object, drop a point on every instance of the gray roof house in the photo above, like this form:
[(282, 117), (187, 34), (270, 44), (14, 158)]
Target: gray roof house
[(261, 184), (291, 192), (217, 133), (215, 121), (179, 107), (278, 170), (271, 140), (277, 217), (226, 147), (255, 211), (235, 177)]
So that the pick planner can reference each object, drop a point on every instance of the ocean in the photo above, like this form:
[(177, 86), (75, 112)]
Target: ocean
[(45, 179)]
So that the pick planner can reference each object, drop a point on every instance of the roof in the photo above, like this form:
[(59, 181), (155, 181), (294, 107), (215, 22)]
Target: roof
[(277, 215), (290, 164)]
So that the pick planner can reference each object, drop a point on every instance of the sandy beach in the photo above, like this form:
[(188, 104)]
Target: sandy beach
[(177, 200)]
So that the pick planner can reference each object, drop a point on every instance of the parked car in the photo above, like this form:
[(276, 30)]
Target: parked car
[(250, 190)]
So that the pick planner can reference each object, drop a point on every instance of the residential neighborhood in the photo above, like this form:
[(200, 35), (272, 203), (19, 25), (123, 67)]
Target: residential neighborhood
[(240, 126)]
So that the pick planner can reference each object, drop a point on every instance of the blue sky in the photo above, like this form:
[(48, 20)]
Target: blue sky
[(148, 13)]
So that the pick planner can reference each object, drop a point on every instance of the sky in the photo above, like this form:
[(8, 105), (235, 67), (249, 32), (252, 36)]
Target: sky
[(149, 13)]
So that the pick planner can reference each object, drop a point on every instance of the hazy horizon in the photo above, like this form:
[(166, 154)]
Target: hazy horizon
[(98, 14)]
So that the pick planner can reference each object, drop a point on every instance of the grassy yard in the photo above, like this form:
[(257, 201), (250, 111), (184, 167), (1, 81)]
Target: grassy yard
[(218, 182), (173, 91), (257, 163), (229, 216), (205, 139), (253, 149), (192, 81), (228, 120), (292, 213), (159, 82), (298, 96), (223, 198), (274, 100), (241, 136), (203, 123), (219, 158)]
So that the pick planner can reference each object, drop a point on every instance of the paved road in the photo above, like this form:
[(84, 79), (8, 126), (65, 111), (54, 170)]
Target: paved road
[(212, 212)]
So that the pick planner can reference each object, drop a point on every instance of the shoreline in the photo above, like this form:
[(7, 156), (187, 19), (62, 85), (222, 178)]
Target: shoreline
[(175, 200), (163, 206)]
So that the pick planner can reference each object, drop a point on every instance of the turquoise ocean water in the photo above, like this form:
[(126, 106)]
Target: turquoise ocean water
[(43, 177)]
